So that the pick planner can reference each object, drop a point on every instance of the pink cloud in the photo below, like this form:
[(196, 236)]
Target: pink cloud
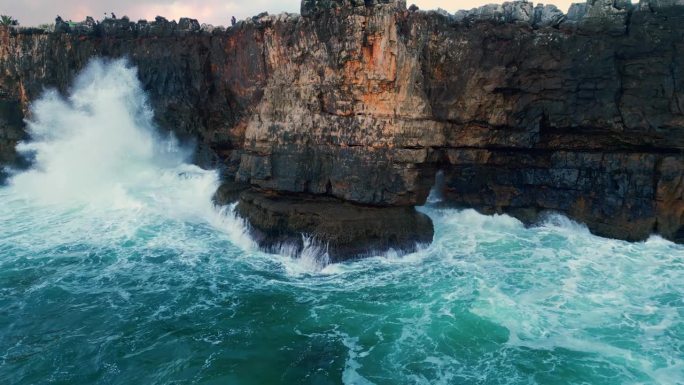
[(218, 12)]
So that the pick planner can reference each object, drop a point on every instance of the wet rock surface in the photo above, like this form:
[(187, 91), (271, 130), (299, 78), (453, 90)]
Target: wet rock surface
[(524, 108), (229, 192), (11, 131), (343, 229)]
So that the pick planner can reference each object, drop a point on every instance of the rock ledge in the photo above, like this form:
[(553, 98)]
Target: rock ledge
[(348, 230)]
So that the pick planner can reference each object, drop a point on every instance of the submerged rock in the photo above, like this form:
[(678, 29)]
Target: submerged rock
[(347, 230)]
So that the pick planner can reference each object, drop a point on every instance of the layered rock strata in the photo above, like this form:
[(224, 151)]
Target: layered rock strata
[(337, 228), (524, 108)]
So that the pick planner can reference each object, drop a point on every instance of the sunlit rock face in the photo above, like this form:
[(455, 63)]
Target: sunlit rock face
[(525, 109)]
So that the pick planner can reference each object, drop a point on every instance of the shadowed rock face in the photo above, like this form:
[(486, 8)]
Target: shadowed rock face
[(11, 131), (525, 109), (344, 229)]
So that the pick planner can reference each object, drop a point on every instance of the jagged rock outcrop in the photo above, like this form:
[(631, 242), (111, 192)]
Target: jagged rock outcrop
[(525, 109), (340, 228)]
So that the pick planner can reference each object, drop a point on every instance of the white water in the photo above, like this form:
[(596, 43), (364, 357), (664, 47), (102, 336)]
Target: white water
[(98, 150)]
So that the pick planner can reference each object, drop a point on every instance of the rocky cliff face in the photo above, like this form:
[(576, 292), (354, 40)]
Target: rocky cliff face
[(524, 109), (201, 85)]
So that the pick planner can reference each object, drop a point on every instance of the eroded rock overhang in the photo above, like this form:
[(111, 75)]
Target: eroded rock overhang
[(524, 108)]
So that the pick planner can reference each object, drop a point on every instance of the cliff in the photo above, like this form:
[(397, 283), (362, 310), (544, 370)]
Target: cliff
[(523, 108)]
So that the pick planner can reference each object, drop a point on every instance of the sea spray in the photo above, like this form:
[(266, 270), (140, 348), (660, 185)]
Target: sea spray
[(99, 149), (99, 143)]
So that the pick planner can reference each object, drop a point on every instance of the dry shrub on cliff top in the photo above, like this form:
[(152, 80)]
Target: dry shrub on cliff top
[(8, 20)]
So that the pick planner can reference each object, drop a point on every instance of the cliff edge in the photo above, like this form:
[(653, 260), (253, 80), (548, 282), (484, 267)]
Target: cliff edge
[(524, 109)]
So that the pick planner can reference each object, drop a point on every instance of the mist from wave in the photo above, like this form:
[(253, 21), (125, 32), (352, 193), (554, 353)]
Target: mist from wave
[(98, 151)]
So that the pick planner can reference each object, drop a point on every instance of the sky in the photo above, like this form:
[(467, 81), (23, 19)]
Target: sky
[(216, 12)]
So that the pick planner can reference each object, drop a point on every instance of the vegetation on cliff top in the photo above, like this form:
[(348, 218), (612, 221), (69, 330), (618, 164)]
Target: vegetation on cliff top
[(8, 20)]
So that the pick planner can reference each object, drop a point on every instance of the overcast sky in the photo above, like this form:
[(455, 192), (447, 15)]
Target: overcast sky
[(217, 12)]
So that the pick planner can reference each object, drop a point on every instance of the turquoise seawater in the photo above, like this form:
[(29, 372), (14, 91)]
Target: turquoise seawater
[(116, 269)]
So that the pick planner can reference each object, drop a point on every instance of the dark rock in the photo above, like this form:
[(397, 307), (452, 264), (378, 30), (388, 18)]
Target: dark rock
[(661, 5), (518, 12), (11, 132), (523, 108), (348, 230), (61, 26), (612, 193), (576, 12), (312, 7), (229, 192), (670, 198), (189, 25), (605, 16), (489, 12), (116, 27), (547, 16)]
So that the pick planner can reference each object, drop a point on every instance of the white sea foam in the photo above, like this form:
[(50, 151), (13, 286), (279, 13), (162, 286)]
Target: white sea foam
[(555, 286), (97, 144), (312, 257), (351, 375), (99, 150)]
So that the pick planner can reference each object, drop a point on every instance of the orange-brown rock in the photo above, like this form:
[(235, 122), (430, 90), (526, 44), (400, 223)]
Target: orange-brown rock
[(523, 108)]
